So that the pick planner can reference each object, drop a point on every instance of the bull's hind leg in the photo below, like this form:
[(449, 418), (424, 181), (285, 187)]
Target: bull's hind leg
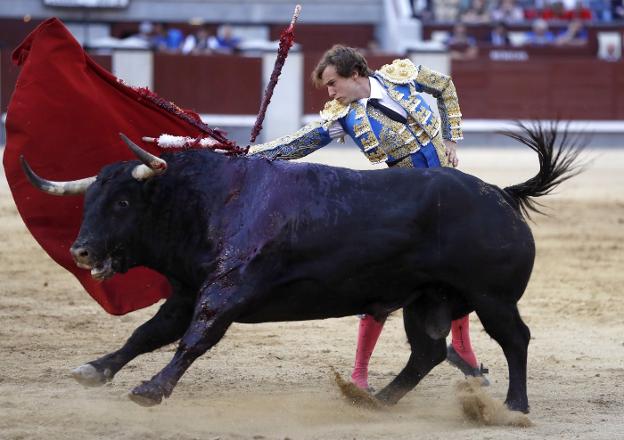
[(167, 326), (427, 352), (503, 323)]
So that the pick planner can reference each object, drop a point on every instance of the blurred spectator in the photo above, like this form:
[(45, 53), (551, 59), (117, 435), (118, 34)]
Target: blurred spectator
[(540, 35), (158, 37), (508, 12), (224, 41), (579, 11), (145, 31), (477, 13), (199, 42), (499, 34), (462, 46), (554, 11), (173, 39), (446, 10), (574, 35), (600, 9), (423, 9), (617, 8)]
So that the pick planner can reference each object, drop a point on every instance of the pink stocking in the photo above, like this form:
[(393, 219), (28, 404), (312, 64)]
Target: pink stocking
[(461, 340), (368, 334)]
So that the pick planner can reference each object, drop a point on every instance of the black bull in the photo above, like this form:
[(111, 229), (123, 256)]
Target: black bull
[(250, 240)]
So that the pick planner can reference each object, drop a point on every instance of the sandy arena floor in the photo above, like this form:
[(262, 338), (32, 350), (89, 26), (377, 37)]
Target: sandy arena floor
[(273, 381)]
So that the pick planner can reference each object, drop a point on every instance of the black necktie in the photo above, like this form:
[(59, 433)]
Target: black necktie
[(397, 117)]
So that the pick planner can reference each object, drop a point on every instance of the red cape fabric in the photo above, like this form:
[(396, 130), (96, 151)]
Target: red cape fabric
[(64, 117)]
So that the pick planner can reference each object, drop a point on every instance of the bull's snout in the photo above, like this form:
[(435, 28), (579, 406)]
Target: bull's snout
[(81, 256), (86, 258)]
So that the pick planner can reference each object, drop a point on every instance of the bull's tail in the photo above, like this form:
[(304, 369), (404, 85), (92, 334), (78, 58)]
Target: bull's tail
[(558, 154)]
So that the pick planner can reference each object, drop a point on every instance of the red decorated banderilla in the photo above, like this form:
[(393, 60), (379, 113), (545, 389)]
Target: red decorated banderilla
[(287, 38)]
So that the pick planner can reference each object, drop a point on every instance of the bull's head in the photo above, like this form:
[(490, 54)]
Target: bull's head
[(113, 204)]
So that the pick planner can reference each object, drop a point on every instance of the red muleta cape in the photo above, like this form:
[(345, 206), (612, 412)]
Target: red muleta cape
[(64, 117)]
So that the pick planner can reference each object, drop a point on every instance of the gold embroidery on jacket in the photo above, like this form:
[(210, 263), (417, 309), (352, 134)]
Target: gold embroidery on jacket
[(413, 103), (359, 128), (442, 88), (394, 138), (438, 144), (367, 138), (294, 146)]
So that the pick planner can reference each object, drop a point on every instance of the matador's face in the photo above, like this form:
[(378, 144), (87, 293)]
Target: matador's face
[(344, 89)]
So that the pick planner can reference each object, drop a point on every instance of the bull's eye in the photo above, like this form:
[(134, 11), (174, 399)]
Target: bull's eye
[(123, 203)]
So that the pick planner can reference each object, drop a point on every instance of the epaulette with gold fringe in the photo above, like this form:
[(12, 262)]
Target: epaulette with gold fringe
[(400, 71), (333, 110)]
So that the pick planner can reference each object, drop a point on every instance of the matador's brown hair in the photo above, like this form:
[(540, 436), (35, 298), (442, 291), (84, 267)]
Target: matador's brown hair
[(346, 60)]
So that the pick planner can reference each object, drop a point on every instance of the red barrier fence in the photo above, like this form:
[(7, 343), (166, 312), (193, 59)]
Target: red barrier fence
[(216, 84), (542, 87)]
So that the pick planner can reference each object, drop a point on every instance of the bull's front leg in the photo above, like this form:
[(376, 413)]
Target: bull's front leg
[(217, 307), (167, 326)]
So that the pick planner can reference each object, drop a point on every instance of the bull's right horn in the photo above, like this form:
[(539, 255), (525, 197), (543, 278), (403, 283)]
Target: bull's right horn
[(153, 165), (69, 188)]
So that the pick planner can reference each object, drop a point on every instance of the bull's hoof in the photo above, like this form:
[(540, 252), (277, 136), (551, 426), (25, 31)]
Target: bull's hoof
[(146, 394), (89, 376), (513, 405), (388, 397), (143, 401)]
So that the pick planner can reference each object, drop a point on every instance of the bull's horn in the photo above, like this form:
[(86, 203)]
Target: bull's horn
[(154, 162), (143, 172), (72, 187)]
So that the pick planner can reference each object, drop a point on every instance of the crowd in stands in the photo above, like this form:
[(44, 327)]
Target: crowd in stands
[(517, 11), (168, 38), (551, 22), (464, 46)]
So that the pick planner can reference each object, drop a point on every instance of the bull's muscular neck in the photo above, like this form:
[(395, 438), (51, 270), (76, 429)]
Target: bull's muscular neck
[(181, 230)]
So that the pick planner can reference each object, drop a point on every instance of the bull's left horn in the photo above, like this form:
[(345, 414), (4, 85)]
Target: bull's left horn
[(69, 188), (153, 165)]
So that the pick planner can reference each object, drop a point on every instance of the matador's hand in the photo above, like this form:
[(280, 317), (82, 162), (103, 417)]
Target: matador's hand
[(451, 152)]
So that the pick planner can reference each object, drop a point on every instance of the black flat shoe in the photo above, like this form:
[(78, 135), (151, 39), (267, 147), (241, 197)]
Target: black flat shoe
[(455, 360)]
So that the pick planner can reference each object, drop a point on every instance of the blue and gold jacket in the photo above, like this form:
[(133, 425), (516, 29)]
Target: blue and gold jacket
[(380, 138)]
